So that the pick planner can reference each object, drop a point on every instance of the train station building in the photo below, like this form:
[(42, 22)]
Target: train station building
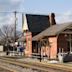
[(43, 35)]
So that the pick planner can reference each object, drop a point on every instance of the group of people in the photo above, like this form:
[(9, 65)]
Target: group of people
[(16, 48)]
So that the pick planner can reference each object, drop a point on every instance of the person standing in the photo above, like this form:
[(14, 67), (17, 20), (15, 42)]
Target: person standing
[(21, 49)]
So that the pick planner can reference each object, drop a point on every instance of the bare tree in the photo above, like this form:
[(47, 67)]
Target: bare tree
[(7, 34)]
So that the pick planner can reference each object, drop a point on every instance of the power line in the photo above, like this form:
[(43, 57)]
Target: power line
[(11, 12), (56, 14)]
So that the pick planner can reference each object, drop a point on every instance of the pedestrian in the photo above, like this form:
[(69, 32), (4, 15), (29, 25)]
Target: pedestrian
[(21, 49)]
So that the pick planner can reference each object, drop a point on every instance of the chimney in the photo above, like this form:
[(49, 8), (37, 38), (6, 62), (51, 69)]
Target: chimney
[(52, 19)]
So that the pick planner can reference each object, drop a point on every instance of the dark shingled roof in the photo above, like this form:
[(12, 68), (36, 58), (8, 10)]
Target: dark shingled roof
[(37, 23), (51, 31)]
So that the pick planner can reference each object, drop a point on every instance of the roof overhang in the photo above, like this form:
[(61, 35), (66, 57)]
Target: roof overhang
[(53, 31)]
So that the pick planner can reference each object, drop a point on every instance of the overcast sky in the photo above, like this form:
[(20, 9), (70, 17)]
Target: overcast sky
[(62, 9)]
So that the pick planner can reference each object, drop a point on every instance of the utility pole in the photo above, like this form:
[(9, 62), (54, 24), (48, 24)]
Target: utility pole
[(15, 27), (14, 30)]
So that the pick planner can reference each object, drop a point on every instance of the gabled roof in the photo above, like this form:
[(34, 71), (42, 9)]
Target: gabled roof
[(37, 23), (52, 31)]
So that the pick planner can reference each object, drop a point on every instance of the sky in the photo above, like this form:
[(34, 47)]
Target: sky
[(61, 8)]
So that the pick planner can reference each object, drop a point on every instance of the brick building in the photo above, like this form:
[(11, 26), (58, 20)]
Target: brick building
[(33, 25), (43, 33)]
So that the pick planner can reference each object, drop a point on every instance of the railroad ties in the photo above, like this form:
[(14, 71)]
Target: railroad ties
[(17, 66)]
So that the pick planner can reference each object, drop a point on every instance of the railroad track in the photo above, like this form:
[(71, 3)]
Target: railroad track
[(38, 67), (4, 70)]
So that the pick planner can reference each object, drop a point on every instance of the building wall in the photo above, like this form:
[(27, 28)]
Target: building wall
[(50, 51), (28, 50), (62, 43), (53, 47)]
